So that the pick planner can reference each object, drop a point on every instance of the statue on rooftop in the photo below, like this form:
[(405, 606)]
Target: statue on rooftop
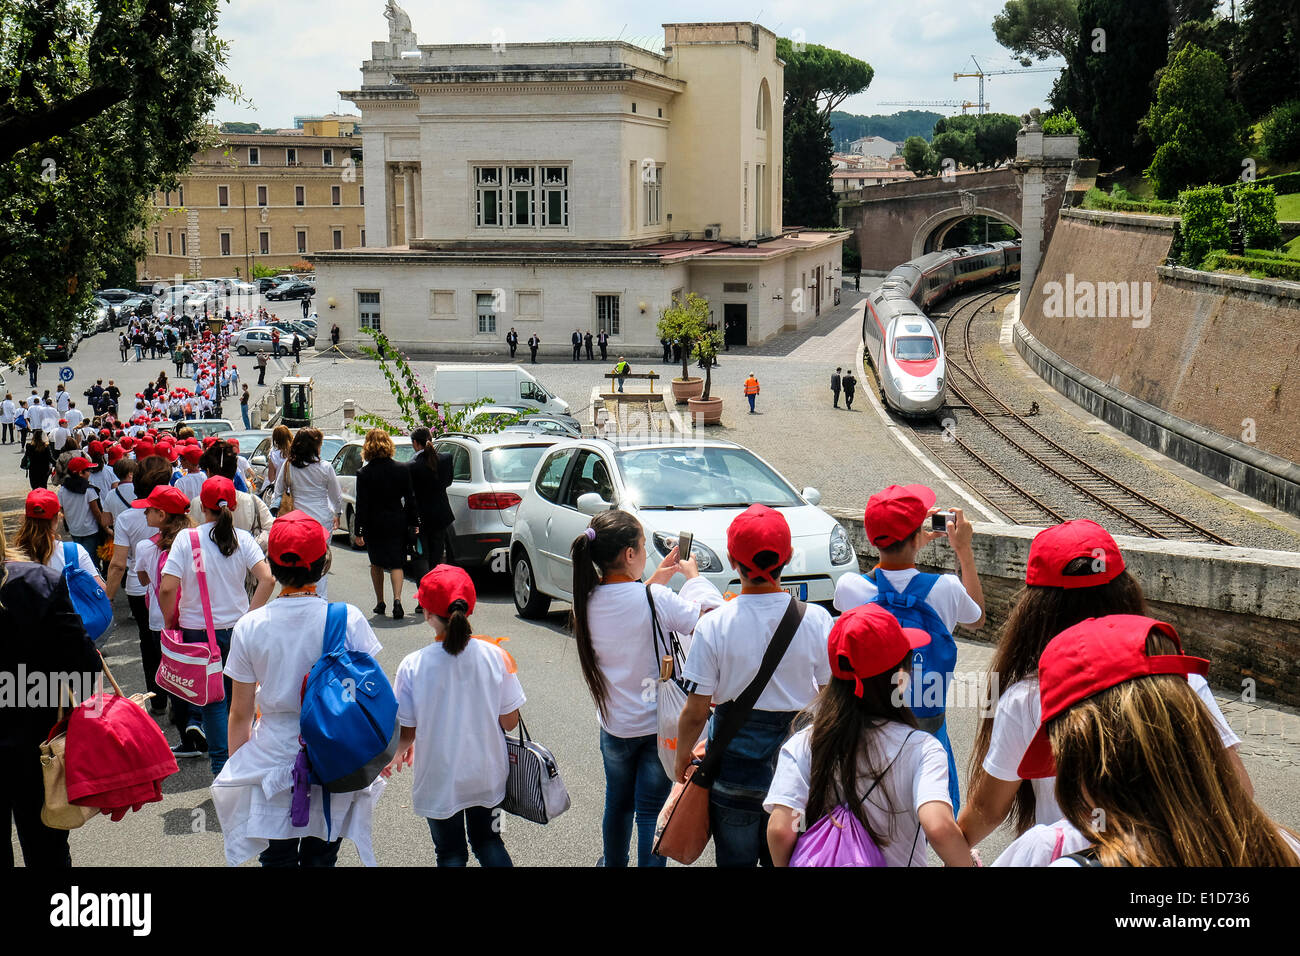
[(400, 34)]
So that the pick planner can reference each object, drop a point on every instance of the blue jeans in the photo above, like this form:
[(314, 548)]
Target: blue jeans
[(620, 383), (214, 717), (243, 408), (751, 401), (635, 786), (736, 812), (484, 837)]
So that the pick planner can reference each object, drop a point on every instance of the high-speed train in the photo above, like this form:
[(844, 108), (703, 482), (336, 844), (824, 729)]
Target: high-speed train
[(904, 346)]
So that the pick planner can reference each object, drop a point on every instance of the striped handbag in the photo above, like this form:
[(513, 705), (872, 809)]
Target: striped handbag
[(534, 789)]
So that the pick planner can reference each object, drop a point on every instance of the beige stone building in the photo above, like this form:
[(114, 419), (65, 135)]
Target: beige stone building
[(562, 185), (258, 198)]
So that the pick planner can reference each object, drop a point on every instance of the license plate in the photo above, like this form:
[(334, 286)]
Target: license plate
[(799, 590)]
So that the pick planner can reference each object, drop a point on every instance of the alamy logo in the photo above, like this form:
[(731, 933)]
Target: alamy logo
[(1084, 299), (73, 909)]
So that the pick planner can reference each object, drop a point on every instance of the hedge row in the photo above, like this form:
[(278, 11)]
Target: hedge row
[(1096, 199), (1282, 185), (1273, 268)]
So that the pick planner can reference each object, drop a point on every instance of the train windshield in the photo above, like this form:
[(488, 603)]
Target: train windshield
[(915, 348)]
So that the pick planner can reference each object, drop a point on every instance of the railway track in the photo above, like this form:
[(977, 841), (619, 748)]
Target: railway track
[(1020, 442)]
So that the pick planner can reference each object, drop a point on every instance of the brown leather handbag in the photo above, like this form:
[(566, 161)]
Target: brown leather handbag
[(682, 831)]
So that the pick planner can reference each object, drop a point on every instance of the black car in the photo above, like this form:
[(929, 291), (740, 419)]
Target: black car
[(265, 285), (115, 296), (291, 290)]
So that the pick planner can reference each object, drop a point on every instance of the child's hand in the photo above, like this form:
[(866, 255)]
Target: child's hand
[(401, 757)]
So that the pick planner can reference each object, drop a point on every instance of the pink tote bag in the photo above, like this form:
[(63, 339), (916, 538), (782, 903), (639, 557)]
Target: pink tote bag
[(191, 672)]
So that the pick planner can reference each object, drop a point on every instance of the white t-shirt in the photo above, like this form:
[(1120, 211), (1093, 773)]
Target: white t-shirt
[(7, 412), (948, 597), (62, 399), (728, 648), (1016, 722), (115, 503), (191, 485), (146, 563), (918, 776), (55, 560), (453, 702), (130, 529), (225, 577), (618, 616), (102, 480), (75, 418), (277, 644), (315, 488), (76, 510)]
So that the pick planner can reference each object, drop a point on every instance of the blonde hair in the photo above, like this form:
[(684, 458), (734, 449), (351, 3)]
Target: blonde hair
[(379, 444), (36, 538), (1142, 773), (281, 436)]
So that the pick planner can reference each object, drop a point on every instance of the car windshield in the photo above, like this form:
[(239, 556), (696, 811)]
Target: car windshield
[(914, 348), (695, 477), (403, 452), (204, 429), (511, 462), (329, 447)]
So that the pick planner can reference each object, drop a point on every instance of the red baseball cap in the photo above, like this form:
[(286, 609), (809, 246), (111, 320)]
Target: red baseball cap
[(127, 442), (97, 447), (759, 528), (1092, 656), (115, 454), (297, 539), (166, 498), (209, 441), (443, 585), (144, 449), (216, 492), (867, 641), (1054, 548), (42, 503), (893, 515), (80, 464), (168, 451), (192, 454)]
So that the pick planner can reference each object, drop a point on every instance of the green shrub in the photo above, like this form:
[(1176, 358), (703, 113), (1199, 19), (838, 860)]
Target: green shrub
[(1257, 266), (1256, 209), (1284, 185), (1205, 223), (1279, 134), (1096, 199)]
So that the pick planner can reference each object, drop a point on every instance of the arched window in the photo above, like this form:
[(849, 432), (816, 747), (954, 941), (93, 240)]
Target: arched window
[(763, 112)]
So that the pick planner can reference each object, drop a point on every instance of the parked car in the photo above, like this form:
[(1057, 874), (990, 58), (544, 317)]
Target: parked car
[(291, 290), (531, 410), (115, 296), (141, 305), (542, 424), (268, 283), (465, 383), (697, 486), (204, 427), (261, 449), (347, 462), (59, 349), (288, 328), (100, 318), (249, 341)]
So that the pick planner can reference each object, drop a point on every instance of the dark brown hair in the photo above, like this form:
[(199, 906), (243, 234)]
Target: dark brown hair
[(616, 531), (296, 576), (304, 450), (150, 473), (458, 631)]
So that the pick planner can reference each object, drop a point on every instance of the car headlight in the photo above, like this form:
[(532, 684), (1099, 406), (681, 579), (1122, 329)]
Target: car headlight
[(841, 550), (705, 556)]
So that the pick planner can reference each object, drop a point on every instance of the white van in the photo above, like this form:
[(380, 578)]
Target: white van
[(503, 384)]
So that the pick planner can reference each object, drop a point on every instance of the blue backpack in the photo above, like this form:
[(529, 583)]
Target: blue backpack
[(348, 725), (932, 664), (87, 596)]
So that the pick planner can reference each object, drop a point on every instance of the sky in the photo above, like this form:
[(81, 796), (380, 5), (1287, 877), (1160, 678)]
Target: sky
[(291, 57)]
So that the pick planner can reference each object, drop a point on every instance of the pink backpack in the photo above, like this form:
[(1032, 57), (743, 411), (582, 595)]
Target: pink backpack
[(191, 672)]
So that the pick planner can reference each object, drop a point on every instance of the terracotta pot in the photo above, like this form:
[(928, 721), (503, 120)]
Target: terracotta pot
[(687, 389), (705, 411)]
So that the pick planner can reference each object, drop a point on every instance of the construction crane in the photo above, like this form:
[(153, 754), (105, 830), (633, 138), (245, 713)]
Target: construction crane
[(951, 104), (981, 73)]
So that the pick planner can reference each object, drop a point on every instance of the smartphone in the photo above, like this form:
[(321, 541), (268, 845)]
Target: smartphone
[(939, 521), (684, 542)]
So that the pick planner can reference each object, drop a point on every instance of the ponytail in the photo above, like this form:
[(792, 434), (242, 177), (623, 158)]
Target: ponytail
[(594, 552), (223, 533), (458, 630)]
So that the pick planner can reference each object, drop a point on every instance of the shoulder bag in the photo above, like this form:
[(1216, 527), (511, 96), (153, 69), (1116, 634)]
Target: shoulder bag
[(682, 831), (670, 694), (286, 500), (534, 788), (190, 671)]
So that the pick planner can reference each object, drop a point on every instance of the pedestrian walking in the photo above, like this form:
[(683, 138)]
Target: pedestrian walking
[(454, 699), (835, 385), (297, 347), (334, 334), (228, 556), (8, 414), (725, 656), (602, 340), (178, 359), (46, 640), (386, 511), (306, 307), (271, 648), (38, 460), (667, 347), (621, 369), (33, 366), (281, 437), (83, 515), (38, 537), (614, 624), (512, 340), (244, 396), (123, 345), (314, 485), (587, 340), (261, 366), (533, 343), (751, 391), (850, 386), (275, 342), (431, 476), (861, 739), (576, 339)]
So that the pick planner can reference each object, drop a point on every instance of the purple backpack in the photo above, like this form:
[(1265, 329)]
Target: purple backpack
[(839, 839)]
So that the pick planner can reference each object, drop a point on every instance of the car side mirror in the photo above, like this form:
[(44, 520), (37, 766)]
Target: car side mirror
[(812, 496), (592, 504)]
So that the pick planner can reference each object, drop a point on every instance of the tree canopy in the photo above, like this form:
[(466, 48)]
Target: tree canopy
[(846, 127), (820, 75), (809, 196), (1038, 29), (101, 104)]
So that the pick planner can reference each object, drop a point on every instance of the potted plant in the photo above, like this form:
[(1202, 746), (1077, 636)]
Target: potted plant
[(706, 410), (684, 323)]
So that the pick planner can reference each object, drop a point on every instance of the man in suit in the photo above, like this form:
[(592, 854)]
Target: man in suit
[(668, 350), (512, 340), (602, 339), (430, 481), (586, 339), (835, 385), (533, 342), (576, 339)]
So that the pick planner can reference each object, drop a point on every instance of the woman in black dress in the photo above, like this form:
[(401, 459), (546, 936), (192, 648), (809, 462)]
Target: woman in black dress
[(40, 460), (385, 510)]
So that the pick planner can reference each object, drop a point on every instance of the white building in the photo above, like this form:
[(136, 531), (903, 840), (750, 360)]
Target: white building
[(562, 185), (875, 146)]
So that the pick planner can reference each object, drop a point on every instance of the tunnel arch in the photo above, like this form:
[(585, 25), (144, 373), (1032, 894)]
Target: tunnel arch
[(930, 232)]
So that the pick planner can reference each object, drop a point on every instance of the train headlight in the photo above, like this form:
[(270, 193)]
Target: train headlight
[(841, 550)]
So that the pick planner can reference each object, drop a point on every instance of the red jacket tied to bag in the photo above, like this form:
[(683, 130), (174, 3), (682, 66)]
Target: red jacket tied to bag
[(116, 756)]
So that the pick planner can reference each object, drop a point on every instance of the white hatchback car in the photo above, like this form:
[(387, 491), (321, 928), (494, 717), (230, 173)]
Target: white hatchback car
[(696, 486)]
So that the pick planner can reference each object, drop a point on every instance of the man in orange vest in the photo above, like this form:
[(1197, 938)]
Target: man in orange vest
[(751, 391)]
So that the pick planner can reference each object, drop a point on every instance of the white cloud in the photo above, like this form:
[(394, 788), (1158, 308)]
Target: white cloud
[(293, 56)]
